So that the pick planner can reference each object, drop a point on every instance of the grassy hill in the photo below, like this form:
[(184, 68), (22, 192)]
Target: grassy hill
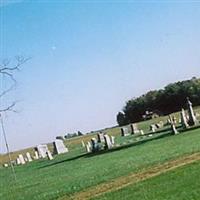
[(69, 174), (182, 183)]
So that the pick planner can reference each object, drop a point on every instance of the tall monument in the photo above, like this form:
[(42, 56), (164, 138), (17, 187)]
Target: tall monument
[(192, 119)]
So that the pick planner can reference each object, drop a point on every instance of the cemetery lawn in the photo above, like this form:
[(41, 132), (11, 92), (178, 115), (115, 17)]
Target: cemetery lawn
[(180, 184), (76, 171)]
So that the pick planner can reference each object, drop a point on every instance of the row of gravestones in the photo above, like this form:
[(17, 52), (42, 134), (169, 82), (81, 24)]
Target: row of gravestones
[(107, 142), (186, 120), (131, 130), (154, 127), (41, 151), (103, 141)]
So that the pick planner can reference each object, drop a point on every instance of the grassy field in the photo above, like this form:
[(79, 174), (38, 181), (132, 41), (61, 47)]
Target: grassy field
[(75, 143), (180, 184), (76, 171)]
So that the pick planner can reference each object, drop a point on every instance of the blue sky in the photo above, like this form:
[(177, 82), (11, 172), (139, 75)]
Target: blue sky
[(89, 58)]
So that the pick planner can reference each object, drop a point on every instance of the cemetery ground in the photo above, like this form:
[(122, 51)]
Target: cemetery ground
[(163, 166)]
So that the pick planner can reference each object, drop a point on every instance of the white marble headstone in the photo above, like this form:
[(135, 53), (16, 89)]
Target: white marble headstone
[(124, 131), (49, 155), (36, 156), (18, 161), (28, 156), (21, 158), (59, 147), (134, 129), (42, 150), (108, 143)]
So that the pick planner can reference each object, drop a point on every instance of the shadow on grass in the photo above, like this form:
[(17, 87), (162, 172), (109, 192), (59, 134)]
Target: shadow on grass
[(128, 145), (62, 161), (89, 155), (190, 129)]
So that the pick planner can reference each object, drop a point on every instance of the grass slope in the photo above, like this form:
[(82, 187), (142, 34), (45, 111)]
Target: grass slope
[(180, 184), (75, 143), (75, 171)]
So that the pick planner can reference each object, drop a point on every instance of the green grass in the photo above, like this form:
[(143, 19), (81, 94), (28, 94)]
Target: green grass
[(69, 173), (75, 171), (180, 184)]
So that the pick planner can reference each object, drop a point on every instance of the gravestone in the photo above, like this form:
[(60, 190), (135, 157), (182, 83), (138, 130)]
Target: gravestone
[(108, 143), (112, 140), (21, 158), (49, 155), (83, 144), (18, 161), (88, 149), (94, 145), (168, 122), (36, 156), (5, 165), (89, 145), (59, 147), (153, 128), (42, 150), (174, 119), (141, 132), (184, 119), (192, 119), (124, 131), (28, 156), (173, 127), (100, 137), (161, 124), (134, 129)]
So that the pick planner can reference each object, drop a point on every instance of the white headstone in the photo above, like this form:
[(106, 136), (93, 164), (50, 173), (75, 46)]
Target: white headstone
[(192, 119), (134, 129), (83, 144), (108, 143), (141, 132), (21, 158), (184, 119), (5, 165), (28, 156), (100, 137), (59, 147), (124, 131), (88, 149), (153, 128), (112, 140), (49, 155), (173, 127), (18, 161), (42, 150), (36, 156), (89, 145)]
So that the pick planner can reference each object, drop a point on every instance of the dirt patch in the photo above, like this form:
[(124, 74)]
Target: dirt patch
[(124, 181)]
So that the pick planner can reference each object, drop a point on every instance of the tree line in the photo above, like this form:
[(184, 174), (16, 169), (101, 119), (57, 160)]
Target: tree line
[(163, 102)]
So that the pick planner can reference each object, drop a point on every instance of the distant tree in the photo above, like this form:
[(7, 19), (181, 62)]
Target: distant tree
[(170, 99), (121, 119)]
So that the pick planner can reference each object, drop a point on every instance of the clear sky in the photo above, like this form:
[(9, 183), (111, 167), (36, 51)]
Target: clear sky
[(89, 58)]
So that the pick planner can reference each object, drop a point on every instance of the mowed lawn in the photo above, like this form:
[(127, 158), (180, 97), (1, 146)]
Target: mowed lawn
[(75, 171), (180, 184)]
